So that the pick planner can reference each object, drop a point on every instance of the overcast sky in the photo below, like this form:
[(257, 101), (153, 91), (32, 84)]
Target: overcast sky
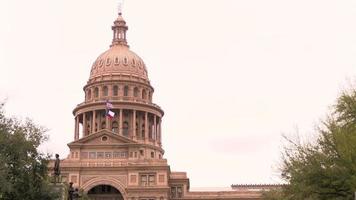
[(231, 75)]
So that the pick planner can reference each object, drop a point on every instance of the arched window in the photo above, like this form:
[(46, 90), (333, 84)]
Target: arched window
[(88, 128), (136, 92), (89, 94), (133, 62), (137, 130), (126, 62), (144, 94), (100, 62), (125, 128), (115, 127), (96, 92), (105, 91), (103, 125), (108, 61), (126, 91), (143, 131), (115, 90), (149, 96), (150, 135)]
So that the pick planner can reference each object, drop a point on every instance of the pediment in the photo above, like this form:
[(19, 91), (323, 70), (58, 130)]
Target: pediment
[(103, 137)]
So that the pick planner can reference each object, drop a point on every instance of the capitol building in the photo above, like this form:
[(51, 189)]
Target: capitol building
[(116, 152)]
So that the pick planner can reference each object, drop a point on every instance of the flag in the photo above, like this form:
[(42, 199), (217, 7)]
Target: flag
[(110, 114), (109, 105)]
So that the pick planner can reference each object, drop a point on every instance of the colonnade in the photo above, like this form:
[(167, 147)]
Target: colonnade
[(134, 124)]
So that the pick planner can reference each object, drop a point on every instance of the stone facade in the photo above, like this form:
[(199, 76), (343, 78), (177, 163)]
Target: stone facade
[(121, 156)]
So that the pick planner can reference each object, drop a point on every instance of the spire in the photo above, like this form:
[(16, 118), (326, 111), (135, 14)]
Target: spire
[(119, 29)]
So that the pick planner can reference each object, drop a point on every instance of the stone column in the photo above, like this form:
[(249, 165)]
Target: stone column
[(76, 128), (146, 126), (134, 124), (154, 129), (120, 122), (84, 124), (159, 131), (93, 122)]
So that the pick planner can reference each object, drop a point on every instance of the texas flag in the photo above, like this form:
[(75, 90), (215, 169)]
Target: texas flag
[(109, 113)]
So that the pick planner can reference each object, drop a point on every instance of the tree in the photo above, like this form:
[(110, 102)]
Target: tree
[(323, 169), (23, 170)]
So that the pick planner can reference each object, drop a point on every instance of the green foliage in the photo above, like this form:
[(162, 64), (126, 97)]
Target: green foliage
[(275, 194), (23, 170), (324, 169)]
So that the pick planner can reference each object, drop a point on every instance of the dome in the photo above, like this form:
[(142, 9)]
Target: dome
[(119, 60)]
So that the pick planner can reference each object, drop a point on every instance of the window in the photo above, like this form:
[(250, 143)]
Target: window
[(137, 130), (144, 94), (105, 91), (118, 155), (96, 92), (92, 155), (115, 90), (89, 94), (100, 155), (150, 135), (123, 154), (136, 92), (108, 61), (107, 155), (161, 178), (103, 125), (143, 131), (133, 62), (115, 127), (150, 96), (147, 180), (84, 155), (141, 153), (177, 191), (152, 154), (133, 178), (100, 63), (151, 180), (125, 129), (126, 61), (126, 91), (116, 60)]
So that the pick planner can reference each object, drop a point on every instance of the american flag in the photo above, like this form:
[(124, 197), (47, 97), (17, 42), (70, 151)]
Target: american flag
[(109, 105)]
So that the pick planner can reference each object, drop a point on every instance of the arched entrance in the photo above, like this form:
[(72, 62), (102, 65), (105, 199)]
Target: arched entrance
[(104, 192)]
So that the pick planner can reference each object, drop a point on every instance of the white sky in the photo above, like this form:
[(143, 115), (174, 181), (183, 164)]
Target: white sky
[(231, 75)]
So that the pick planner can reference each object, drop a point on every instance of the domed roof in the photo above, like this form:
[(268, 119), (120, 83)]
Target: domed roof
[(119, 59)]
